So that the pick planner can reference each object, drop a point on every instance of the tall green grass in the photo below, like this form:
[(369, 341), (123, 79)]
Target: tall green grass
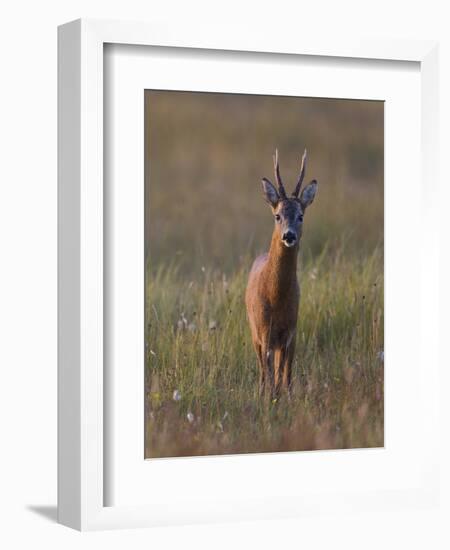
[(201, 370)]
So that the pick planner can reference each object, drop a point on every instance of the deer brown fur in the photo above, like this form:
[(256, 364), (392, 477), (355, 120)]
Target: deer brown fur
[(273, 293)]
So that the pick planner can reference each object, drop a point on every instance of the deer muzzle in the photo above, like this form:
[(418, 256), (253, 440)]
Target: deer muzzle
[(289, 238)]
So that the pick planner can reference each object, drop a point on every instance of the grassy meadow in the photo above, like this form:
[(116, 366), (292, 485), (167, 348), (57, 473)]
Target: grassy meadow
[(206, 220)]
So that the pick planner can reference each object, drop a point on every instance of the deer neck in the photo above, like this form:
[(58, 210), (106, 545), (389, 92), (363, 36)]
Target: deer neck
[(281, 267)]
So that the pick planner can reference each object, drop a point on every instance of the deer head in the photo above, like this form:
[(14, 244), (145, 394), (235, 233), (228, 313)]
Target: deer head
[(289, 211)]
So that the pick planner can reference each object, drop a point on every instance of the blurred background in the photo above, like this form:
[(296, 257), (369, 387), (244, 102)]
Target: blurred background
[(206, 154)]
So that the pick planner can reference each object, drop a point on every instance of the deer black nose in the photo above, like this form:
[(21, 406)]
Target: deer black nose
[(290, 237)]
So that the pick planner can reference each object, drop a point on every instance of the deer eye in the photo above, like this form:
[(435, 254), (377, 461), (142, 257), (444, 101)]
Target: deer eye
[(277, 217), (300, 217)]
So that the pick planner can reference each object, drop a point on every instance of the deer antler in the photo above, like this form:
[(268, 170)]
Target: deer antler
[(276, 168), (301, 176)]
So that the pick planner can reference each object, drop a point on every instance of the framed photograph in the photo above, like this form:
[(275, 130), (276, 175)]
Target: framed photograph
[(244, 263), (232, 364)]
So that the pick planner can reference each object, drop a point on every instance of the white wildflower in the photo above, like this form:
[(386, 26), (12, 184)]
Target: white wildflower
[(182, 322), (176, 396), (190, 417)]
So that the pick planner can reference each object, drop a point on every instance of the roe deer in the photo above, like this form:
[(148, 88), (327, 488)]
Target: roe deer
[(273, 294)]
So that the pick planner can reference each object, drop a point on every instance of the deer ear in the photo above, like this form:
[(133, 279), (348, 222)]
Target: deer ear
[(270, 193), (308, 194)]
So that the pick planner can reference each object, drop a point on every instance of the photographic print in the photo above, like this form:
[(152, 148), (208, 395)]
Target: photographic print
[(264, 303)]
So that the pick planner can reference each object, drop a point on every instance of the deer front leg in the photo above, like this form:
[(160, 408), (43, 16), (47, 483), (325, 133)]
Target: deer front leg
[(262, 368), (287, 367), (268, 366), (279, 361)]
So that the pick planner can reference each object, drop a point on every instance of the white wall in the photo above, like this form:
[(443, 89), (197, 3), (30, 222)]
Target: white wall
[(28, 267)]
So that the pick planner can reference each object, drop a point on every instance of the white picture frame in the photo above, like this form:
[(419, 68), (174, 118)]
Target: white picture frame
[(81, 480)]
